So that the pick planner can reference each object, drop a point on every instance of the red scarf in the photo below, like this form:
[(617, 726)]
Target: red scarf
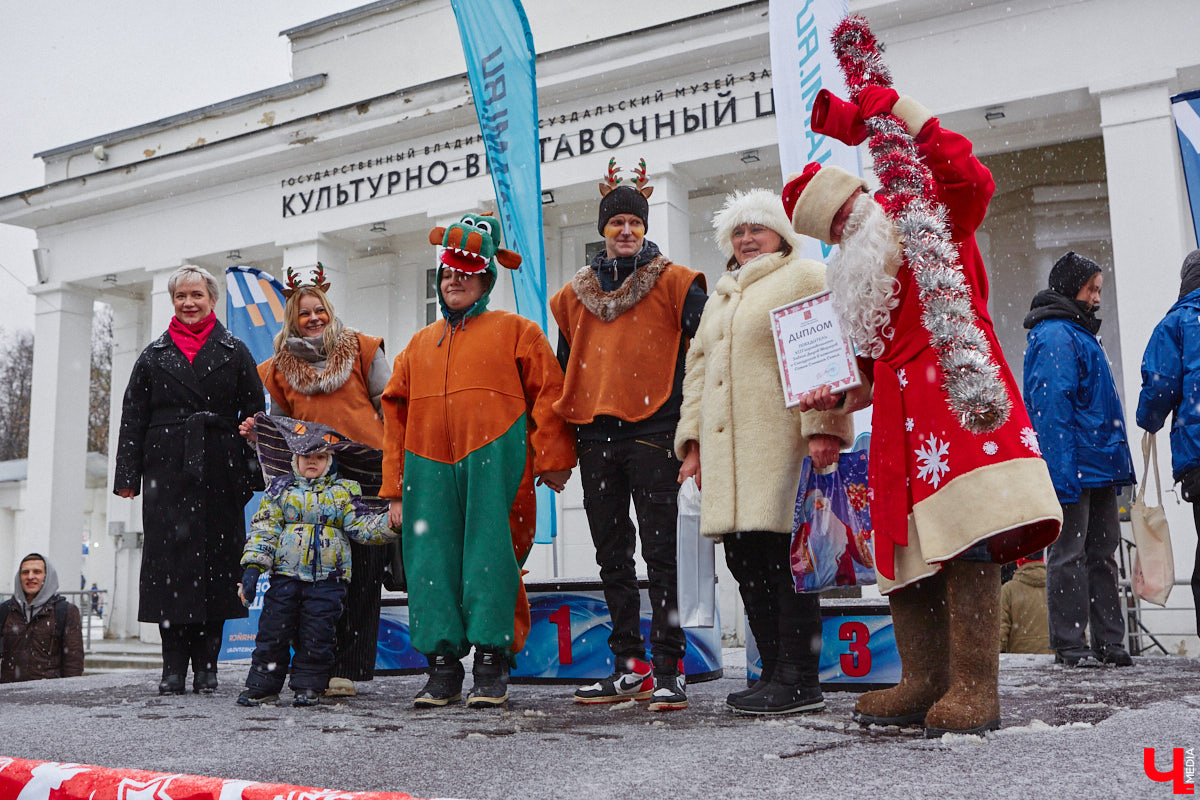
[(190, 337)]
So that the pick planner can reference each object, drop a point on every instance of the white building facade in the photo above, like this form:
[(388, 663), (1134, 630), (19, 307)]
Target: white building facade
[(375, 141)]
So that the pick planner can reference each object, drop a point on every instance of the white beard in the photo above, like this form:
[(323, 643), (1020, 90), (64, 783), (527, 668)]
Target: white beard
[(863, 291)]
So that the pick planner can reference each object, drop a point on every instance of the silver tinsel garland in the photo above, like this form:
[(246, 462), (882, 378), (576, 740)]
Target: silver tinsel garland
[(974, 389)]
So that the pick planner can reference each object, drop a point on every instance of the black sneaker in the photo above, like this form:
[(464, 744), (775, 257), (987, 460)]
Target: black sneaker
[(634, 682), (444, 685), (490, 674), (306, 697), (668, 694), (781, 698), (1076, 657), (1113, 654), (257, 697)]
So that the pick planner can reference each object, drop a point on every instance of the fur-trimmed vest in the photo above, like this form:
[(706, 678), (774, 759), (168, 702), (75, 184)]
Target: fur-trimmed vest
[(336, 396), (623, 343)]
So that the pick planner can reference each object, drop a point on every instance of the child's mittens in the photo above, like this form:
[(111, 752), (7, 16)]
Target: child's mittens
[(249, 585)]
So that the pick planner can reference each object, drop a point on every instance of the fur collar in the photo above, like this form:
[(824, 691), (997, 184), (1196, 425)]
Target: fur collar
[(610, 305), (301, 376)]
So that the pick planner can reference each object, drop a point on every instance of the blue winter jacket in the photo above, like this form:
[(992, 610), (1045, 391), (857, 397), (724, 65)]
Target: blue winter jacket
[(1171, 382), (1073, 404)]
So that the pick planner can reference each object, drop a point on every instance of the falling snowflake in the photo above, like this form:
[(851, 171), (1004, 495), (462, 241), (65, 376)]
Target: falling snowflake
[(908, 424), (1030, 440), (990, 448), (902, 378), (933, 461)]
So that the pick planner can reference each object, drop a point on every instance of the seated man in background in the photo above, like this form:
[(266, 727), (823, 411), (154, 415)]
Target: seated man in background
[(43, 635)]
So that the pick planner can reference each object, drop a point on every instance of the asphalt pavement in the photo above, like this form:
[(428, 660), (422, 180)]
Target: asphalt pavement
[(1067, 733)]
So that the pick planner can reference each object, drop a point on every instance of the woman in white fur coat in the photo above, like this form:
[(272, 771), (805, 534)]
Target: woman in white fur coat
[(735, 430)]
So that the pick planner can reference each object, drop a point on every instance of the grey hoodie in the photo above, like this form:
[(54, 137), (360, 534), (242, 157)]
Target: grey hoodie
[(48, 590)]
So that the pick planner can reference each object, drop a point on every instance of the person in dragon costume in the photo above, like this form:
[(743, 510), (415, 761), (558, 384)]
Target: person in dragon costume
[(468, 425)]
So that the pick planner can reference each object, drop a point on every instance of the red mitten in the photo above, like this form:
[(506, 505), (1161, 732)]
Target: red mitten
[(833, 116), (874, 100)]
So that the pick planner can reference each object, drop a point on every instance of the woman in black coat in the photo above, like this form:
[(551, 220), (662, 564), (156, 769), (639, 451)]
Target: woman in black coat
[(179, 442)]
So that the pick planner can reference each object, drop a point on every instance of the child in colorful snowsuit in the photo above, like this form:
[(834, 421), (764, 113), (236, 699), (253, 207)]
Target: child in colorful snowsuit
[(468, 424), (301, 534)]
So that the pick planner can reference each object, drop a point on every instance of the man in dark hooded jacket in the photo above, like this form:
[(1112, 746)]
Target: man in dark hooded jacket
[(1171, 385), (1074, 408), (43, 635)]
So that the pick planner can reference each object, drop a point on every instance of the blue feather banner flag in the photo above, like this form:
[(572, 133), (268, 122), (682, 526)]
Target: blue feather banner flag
[(254, 309), (500, 58)]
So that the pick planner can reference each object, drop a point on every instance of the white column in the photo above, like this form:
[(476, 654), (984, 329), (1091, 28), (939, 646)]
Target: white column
[(1151, 233), (54, 518), (303, 256), (130, 336), (670, 222)]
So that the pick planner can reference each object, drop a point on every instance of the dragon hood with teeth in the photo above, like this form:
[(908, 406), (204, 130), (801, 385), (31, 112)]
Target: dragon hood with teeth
[(472, 246)]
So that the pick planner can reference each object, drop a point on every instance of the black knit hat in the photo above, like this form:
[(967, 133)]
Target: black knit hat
[(1071, 273), (1189, 274), (623, 200)]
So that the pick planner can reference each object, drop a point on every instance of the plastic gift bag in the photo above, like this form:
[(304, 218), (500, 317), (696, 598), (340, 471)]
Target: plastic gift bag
[(832, 543), (1153, 561), (696, 557)]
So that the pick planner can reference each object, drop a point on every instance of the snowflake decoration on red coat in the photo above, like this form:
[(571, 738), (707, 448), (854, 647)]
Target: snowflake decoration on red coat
[(903, 378), (933, 461), (908, 424), (991, 448), (1030, 440)]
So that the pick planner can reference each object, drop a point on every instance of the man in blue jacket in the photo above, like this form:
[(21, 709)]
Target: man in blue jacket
[(1171, 383), (1074, 407)]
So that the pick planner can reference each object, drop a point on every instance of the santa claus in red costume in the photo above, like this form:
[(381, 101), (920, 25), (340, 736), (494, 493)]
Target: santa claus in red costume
[(950, 500)]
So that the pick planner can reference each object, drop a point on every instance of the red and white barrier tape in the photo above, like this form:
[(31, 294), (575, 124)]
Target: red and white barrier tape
[(48, 780)]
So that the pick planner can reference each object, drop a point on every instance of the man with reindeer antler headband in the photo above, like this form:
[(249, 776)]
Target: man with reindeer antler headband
[(624, 322)]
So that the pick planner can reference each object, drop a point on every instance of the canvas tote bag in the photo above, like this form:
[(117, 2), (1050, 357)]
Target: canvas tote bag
[(1153, 561)]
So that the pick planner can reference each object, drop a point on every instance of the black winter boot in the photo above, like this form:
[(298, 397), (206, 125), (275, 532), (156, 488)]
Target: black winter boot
[(786, 693), (204, 682), (768, 671), (490, 674), (444, 685)]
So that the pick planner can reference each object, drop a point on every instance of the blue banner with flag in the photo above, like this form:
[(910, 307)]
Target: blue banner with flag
[(500, 59), (1186, 108), (254, 309)]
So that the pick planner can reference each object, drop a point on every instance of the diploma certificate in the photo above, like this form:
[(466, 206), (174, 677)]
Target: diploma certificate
[(811, 349)]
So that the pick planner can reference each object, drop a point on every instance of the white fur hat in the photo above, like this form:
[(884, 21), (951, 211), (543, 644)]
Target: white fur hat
[(757, 206)]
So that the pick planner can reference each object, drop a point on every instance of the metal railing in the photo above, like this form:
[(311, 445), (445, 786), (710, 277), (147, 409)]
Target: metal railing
[(1140, 640), (91, 604)]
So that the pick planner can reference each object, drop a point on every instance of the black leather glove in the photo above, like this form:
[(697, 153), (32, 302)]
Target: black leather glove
[(250, 584)]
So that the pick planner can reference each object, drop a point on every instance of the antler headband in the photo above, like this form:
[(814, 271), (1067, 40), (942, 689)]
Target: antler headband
[(295, 284)]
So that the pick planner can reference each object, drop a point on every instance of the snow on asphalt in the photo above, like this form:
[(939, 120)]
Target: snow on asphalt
[(1068, 733)]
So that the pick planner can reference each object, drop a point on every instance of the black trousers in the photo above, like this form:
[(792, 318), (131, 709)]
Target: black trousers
[(1081, 574), (300, 615), (647, 471), (198, 643), (358, 627), (786, 625), (1196, 567)]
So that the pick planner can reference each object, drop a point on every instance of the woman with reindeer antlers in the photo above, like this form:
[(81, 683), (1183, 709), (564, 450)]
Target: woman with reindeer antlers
[(324, 372)]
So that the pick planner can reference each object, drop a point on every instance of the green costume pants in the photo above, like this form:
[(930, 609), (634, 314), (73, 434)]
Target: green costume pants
[(463, 576)]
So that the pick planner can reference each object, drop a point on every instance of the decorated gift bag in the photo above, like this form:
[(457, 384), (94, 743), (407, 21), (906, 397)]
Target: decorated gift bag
[(696, 557), (831, 533)]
